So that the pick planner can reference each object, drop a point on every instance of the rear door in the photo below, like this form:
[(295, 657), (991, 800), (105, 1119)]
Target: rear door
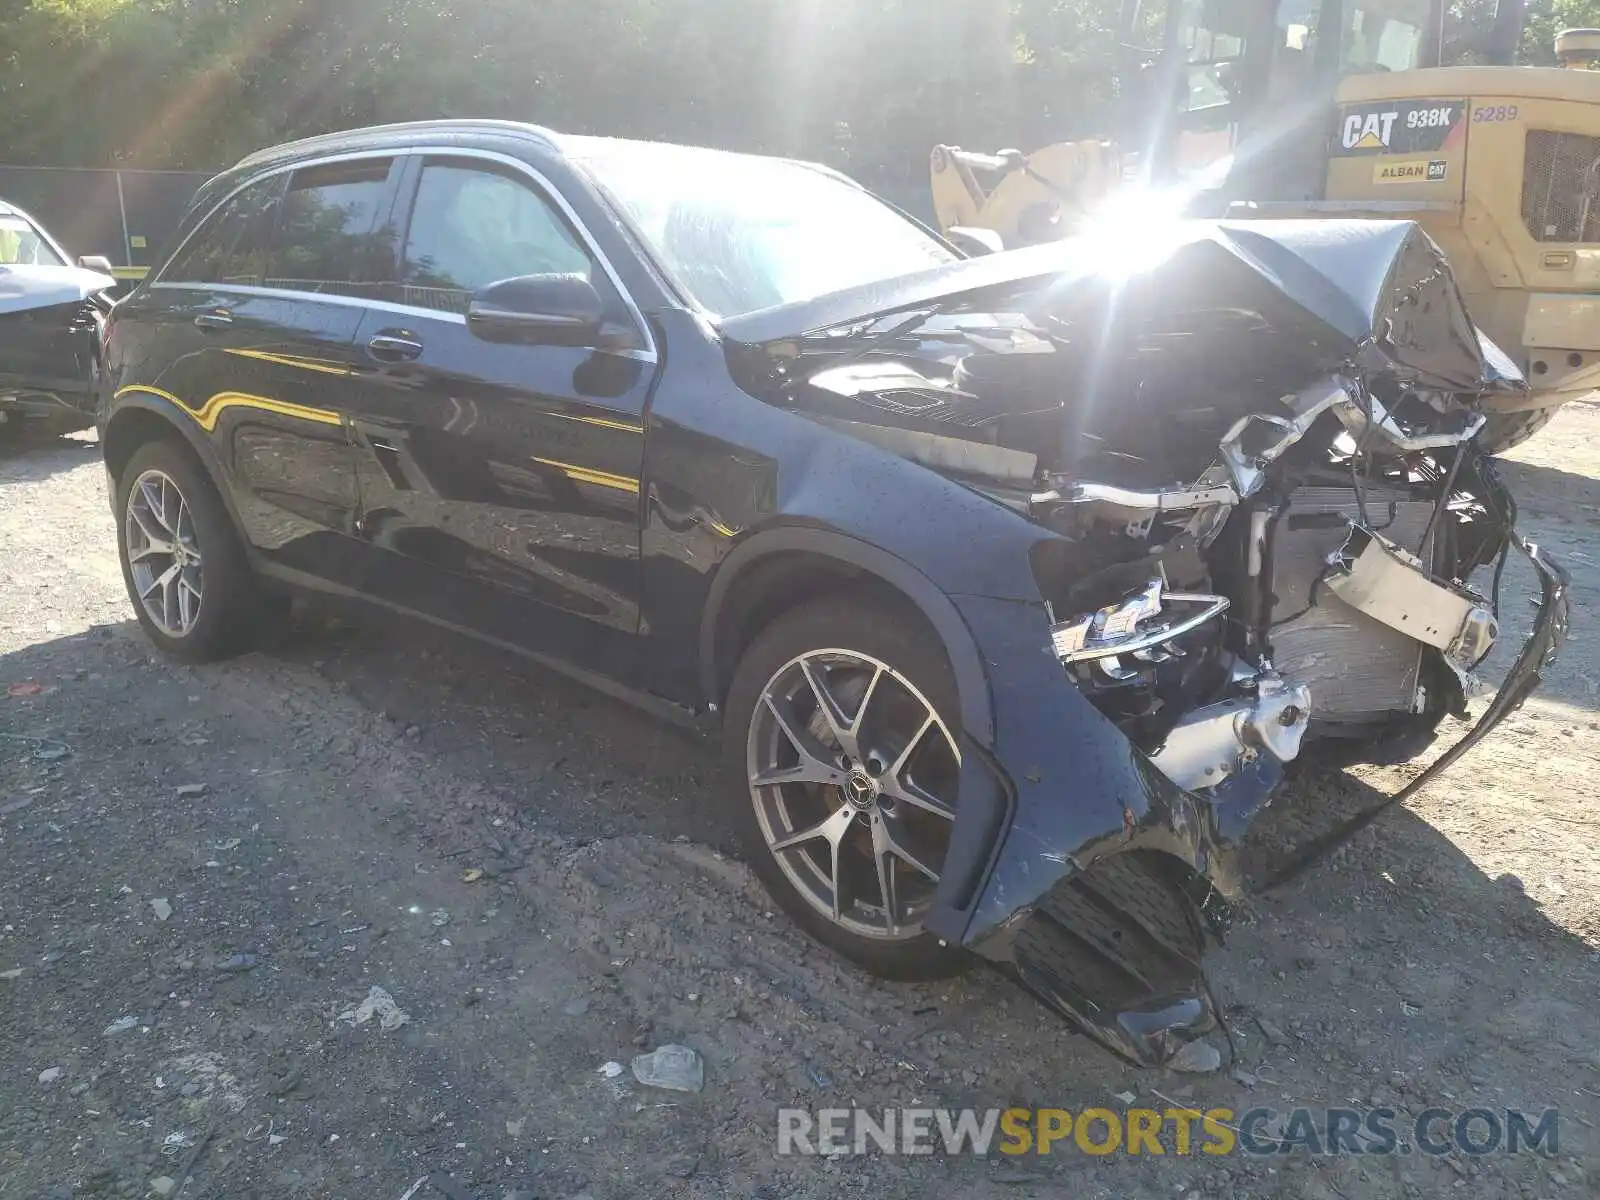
[(500, 480), (252, 332)]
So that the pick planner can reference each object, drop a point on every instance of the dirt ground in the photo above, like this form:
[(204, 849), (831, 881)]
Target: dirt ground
[(307, 819)]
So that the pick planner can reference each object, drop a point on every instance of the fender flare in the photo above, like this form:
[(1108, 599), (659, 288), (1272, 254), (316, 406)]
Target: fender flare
[(961, 650), (177, 417)]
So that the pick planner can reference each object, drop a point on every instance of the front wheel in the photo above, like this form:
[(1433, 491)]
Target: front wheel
[(841, 735)]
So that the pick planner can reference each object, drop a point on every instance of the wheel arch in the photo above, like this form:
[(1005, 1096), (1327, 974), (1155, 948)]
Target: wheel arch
[(143, 416), (776, 570)]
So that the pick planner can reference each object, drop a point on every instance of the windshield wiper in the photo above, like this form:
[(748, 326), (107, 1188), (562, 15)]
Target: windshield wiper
[(860, 345)]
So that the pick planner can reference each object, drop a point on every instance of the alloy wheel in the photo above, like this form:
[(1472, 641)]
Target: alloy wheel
[(852, 774), (163, 555)]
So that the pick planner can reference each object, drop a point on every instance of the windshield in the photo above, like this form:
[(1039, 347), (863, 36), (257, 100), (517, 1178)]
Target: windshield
[(23, 245), (741, 233), (1219, 39)]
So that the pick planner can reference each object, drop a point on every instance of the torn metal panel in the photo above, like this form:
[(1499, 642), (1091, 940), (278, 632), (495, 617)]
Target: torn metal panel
[(1376, 577), (1211, 744), (1357, 667), (1135, 626)]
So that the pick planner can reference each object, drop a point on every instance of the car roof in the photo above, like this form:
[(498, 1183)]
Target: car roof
[(463, 131), (7, 209), (11, 210), (380, 137)]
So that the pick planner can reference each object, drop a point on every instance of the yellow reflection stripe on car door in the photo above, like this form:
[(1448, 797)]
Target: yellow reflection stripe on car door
[(206, 415), (326, 366), (603, 422), (587, 475), (213, 408), (153, 391)]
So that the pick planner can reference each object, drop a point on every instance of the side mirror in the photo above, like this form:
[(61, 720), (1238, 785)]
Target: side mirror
[(546, 310), (95, 262), (975, 242)]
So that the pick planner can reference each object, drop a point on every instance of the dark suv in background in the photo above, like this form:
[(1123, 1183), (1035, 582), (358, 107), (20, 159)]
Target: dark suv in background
[(1014, 581)]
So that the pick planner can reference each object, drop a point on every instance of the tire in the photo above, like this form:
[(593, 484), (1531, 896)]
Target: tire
[(214, 582), (1505, 430), (878, 819)]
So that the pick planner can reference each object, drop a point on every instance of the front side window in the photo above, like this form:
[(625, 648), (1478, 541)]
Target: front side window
[(230, 247), (471, 227), (328, 235), (23, 245)]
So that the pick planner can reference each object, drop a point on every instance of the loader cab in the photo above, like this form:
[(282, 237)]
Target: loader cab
[(1227, 76)]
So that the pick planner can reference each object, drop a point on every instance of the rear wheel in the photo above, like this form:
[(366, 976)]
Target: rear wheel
[(185, 569), (841, 734), (1501, 431)]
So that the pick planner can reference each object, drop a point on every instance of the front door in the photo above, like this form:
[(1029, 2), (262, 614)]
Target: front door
[(500, 480)]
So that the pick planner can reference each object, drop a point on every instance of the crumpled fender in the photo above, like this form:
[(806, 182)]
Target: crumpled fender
[(1075, 794), (1076, 789)]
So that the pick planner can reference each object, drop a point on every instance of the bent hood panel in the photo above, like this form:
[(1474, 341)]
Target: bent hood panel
[(29, 287), (1378, 288)]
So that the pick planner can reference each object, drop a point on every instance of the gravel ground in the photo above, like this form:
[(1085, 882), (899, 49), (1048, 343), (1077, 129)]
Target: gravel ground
[(202, 869)]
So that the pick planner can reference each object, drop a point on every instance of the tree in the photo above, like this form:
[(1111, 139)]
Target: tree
[(868, 85)]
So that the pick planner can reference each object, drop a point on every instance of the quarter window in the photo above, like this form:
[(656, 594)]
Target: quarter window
[(471, 227), (329, 237), (230, 247)]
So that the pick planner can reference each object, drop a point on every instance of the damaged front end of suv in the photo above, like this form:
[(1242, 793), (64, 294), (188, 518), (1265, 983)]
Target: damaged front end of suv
[(1250, 461)]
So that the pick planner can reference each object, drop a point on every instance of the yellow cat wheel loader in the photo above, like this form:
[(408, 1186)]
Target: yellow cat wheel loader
[(1265, 109)]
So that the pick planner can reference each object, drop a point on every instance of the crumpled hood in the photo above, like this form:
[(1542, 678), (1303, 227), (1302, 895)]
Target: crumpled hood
[(1377, 291), (27, 287)]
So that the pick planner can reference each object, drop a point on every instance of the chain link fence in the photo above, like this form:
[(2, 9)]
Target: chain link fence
[(125, 215)]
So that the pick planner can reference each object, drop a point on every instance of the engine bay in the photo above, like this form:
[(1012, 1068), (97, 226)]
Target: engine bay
[(1252, 503), (1224, 547)]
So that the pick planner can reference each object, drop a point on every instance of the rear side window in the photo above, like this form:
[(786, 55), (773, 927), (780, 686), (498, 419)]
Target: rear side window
[(470, 227), (330, 236), (230, 246)]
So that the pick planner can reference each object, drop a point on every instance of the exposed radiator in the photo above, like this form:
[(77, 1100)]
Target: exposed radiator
[(1355, 667)]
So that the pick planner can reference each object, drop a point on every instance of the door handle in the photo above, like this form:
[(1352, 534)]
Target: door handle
[(220, 319), (394, 345)]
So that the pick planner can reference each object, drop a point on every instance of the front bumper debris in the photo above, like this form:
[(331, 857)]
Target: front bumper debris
[(1216, 742), (1105, 925), (1524, 677)]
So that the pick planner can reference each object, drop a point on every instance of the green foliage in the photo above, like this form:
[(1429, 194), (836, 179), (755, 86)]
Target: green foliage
[(870, 85), (1546, 18), (862, 83)]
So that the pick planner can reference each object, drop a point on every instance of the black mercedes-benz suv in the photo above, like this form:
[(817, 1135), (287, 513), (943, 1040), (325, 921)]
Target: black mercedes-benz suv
[(1014, 581)]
